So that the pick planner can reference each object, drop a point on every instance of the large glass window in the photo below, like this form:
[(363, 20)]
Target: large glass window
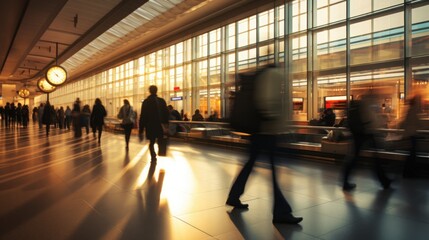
[(330, 11), (215, 37), (247, 31), (420, 30), (386, 85), (378, 39), (299, 15), (230, 36), (202, 42), (204, 74), (266, 25), (331, 48)]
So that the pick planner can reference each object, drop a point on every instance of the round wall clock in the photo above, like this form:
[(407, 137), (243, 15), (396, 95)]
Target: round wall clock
[(24, 93), (45, 86), (56, 75)]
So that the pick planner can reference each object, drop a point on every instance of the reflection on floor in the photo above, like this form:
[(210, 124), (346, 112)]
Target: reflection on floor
[(59, 187)]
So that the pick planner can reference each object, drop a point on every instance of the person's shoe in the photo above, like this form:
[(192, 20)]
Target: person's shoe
[(236, 203), (349, 186), (288, 219)]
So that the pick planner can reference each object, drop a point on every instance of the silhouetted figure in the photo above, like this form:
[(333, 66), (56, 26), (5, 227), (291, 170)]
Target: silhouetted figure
[(263, 137), (54, 120), (197, 116), (19, 115), (61, 117), (84, 117), (174, 114), (126, 113), (185, 117), (12, 115), (68, 119), (25, 116), (154, 113), (7, 115), (46, 119), (76, 119), (97, 118), (40, 111), (328, 118), (411, 124), (361, 122), (34, 114), (213, 117), (2, 114)]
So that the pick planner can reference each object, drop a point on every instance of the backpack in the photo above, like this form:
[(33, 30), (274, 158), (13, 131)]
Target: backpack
[(244, 116)]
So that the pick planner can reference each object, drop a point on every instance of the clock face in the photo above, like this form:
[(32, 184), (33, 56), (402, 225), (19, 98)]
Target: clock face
[(56, 75), (45, 86), (24, 93)]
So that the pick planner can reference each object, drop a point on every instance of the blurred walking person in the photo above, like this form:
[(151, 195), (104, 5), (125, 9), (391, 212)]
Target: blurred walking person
[(76, 119), (25, 115), (410, 125), (154, 113), (362, 122), (40, 111), (46, 119), (97, 118), (84, 117), (127, 114), (257, 111), (68, 119)]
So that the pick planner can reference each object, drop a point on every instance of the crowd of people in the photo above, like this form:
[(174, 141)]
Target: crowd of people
[(155, 116), (14, 116), (48, 116)]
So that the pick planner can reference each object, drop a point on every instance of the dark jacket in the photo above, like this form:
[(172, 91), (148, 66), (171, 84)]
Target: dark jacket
[(47, 114), (97, 115), (154, 111)]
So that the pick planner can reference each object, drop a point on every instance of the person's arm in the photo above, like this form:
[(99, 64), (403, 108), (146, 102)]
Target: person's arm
[(141, 122), (121, 114)]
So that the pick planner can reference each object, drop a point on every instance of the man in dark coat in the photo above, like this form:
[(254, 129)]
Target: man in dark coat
[(153, 114), (46, 119), (97, 118)]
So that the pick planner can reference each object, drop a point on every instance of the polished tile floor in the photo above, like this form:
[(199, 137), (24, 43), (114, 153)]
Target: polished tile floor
[(59, 187)]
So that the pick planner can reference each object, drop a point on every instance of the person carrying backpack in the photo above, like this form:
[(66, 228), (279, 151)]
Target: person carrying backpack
[(127, 114), (261, 91)]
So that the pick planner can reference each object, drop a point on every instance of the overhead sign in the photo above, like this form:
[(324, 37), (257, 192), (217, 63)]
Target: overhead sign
[(176, 98)]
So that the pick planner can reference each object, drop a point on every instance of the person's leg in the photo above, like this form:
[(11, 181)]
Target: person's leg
[(100, 130), (239, 184), (410, 163), (377, 167), (351, 162), (127, 130), (152, 149)]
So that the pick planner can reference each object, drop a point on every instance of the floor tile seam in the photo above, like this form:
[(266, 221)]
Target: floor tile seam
[(195, 227), (333, 230), (326, 200), (199, 211), (91, 207)]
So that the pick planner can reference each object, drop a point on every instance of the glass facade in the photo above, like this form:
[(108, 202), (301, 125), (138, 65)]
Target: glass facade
[(329, 48)]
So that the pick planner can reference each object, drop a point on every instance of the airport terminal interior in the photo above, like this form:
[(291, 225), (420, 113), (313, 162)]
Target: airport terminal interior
[(328, 54)]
